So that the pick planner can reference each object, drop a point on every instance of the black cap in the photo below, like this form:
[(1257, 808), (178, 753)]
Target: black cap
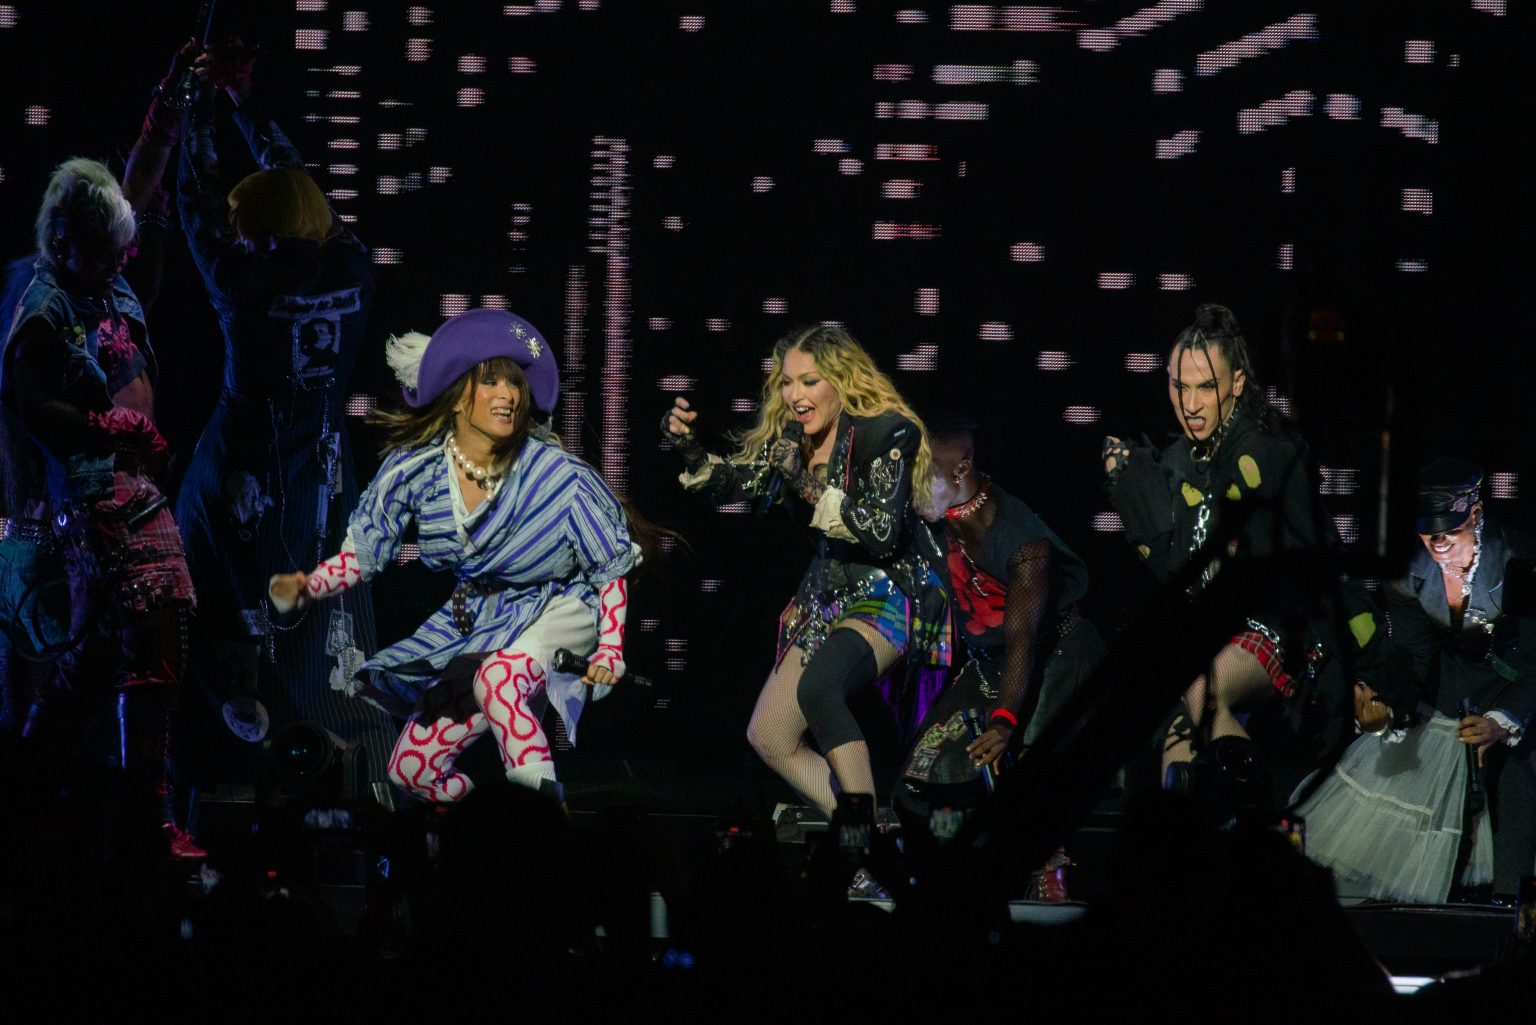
[(1448, 489)]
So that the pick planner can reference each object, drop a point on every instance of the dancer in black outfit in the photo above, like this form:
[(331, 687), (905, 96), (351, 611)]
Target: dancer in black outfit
[(1235, 485), (1397, 818), (1025, 646)]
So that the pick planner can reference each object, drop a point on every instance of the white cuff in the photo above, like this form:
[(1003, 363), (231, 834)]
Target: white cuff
[(828, 516), (694, 481)]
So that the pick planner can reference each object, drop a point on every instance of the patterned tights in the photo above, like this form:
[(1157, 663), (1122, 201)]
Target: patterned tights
[(424, 756)]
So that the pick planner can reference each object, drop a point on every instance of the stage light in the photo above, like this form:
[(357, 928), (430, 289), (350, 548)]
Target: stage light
[(1107, 523), (1180, 144), (1412, 126), (924, 358), (1257, 44)]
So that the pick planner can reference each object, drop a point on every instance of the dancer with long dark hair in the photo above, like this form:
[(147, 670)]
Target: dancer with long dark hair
[(537, 543)]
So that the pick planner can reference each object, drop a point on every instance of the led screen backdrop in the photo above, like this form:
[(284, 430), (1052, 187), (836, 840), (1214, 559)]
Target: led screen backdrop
[(1014, 206)]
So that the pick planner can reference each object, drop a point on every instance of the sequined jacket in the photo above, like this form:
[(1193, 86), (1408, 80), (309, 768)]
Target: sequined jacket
[(866, 530)]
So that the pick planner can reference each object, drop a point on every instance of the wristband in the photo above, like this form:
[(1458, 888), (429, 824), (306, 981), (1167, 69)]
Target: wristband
[(1005, 715)]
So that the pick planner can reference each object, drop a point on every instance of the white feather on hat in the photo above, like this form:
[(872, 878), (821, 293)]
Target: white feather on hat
[(403, 354)]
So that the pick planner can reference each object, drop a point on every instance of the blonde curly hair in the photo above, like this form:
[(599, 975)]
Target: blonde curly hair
[(861, 387)]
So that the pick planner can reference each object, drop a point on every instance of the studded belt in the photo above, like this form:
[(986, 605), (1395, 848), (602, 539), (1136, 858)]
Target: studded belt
[(459, 602), (32, 531)]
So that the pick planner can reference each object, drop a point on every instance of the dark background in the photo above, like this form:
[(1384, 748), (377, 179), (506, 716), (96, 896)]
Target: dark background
[(512, 198)]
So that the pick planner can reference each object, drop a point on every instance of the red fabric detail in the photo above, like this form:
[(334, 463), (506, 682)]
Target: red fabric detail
[(979, 612), (131, 429), (1264, 650), (337, 573)]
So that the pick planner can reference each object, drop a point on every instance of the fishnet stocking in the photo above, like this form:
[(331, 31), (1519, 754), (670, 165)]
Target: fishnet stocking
[(777, 731)]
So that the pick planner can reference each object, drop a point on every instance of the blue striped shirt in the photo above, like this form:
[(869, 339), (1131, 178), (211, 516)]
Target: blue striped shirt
[(551, 528)]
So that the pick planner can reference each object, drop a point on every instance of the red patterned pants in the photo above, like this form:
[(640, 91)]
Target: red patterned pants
[(498, 700)]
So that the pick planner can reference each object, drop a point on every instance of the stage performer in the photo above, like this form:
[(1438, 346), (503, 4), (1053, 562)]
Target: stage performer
[(77, 378), (537, 543), (272, 474), (1014, 587), (1237, 480), (1397, 818), (837, 444)]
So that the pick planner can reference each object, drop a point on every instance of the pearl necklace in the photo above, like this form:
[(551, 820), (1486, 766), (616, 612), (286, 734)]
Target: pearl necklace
[(481, 475), (970, 505)]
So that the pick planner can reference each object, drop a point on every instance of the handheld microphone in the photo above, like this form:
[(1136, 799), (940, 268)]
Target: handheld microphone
[(565, 660), (972, 719), (1475, 797), (793, 431)]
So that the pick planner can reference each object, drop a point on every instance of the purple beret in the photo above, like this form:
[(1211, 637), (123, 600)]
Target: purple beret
[(469, 339)]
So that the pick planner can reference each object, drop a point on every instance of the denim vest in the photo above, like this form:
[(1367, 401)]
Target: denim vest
[(83, 384)]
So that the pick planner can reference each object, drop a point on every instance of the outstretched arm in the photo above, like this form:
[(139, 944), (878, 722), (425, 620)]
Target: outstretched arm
[(290, 591), (722, 480)]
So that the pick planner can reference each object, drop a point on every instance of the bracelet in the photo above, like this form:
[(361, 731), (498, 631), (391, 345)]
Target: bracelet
[(1007, 716)]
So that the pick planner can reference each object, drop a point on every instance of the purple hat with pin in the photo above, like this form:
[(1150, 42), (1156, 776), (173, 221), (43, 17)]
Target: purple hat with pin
[(426, 367)]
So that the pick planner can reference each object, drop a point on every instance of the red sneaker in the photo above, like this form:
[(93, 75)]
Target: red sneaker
[(1049, 884), (179, 845)]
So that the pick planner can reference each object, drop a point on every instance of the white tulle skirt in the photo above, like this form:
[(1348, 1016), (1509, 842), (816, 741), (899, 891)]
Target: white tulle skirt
[(1388, 820)]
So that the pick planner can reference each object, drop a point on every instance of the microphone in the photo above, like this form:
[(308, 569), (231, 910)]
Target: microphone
[(793, 431), (1475, 798), (565, 660), (973, 728)]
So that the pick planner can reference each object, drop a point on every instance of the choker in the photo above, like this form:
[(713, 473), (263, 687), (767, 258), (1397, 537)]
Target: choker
[(970, 505), (1201, 455), (481, 475)]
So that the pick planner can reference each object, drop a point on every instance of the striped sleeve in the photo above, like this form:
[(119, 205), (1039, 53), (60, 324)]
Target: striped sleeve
[(387, 507), (598, 530)]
